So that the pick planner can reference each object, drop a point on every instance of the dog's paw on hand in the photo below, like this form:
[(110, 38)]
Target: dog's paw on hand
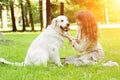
[(67, 35)]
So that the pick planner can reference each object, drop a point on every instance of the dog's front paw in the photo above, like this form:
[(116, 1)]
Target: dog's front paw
[(70, 38), (60, 65)]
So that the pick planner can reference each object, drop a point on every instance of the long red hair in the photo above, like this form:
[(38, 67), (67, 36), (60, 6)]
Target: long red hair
[(89, 25)]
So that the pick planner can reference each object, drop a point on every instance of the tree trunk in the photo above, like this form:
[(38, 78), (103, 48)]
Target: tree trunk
[(26, 16), (61, 8), (40, 12), (23, 16), (48, 12), (13, 16), (44, 13), (30, 14), (17, 12), (4, 17), (26, 21)]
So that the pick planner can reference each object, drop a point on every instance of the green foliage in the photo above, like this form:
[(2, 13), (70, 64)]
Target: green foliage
[(16, 51), (35, 12), (55, 9), (72, 6), (69, 10)]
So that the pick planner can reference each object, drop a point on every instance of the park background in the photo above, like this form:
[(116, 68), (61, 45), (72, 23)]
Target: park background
[(21, 21), (22, 15)]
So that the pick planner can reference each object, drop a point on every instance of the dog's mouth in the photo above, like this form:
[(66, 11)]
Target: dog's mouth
[(65, 28)]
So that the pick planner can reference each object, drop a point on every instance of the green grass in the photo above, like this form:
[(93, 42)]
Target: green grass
[(17, 49)]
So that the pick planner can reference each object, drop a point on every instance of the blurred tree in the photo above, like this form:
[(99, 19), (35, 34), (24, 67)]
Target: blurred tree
[(70, 8), (48, 12), (26, 15), (28, 12), (40, 12), (23, 16), (104, 10), (3, 9), (17, 12), (13, 16), (96, 6), (30, 15), (61, 7), (55, 8)]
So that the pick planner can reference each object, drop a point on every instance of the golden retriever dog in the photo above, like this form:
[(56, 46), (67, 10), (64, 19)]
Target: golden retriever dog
[(46, 46)]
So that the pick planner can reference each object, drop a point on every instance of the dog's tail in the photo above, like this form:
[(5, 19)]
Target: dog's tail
[(2, 60)]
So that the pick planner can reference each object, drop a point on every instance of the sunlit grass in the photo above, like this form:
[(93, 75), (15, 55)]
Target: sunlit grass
[(110, 41), (17, 49)]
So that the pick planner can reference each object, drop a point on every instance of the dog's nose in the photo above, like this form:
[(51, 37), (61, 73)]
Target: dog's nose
[(68, 24)]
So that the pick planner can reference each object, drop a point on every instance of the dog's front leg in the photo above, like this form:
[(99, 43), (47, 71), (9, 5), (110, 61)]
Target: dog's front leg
[(67, 35), (57, 61), (55, 56)]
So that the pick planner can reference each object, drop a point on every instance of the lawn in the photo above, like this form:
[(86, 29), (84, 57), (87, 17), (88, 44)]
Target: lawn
[(17, 49)]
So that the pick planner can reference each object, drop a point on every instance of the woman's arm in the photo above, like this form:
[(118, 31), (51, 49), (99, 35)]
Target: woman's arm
[(79, 45)]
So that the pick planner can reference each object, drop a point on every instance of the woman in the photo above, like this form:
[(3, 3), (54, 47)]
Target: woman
[(86, 41)]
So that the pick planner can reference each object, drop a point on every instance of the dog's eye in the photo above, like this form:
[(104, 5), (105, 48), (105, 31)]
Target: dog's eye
[(62, 20)]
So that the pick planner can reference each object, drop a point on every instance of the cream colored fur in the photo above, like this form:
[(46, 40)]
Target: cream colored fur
[(46, 46)]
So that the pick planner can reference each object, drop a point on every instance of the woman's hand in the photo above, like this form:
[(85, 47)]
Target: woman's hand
[(71, 39)]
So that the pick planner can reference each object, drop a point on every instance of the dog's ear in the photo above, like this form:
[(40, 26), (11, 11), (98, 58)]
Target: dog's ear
[(54, 22)]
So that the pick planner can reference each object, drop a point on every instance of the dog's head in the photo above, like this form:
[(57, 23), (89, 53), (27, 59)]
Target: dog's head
[(61, 22)]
